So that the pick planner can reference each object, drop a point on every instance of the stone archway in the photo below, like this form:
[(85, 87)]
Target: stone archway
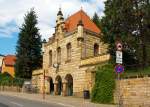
[(69, 85), (59, 85)]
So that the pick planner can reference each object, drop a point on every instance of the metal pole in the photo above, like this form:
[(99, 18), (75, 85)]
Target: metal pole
[(44, 84), (118, 79)]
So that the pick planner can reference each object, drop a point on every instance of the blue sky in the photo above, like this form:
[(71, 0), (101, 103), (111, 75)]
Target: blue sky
[(12, 13)]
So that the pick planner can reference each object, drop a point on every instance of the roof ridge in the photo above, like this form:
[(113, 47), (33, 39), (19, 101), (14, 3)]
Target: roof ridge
[(10, 55), (72, 21), (81, 10)]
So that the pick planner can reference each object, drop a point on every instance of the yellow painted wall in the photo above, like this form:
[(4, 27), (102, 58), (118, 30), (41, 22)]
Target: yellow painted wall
[(8, 69)]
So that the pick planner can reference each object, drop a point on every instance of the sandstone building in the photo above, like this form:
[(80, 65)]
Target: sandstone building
[(70, 56)]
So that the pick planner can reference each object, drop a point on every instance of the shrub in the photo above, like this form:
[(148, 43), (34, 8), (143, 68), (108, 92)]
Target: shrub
[(7, 80), (103, 89)]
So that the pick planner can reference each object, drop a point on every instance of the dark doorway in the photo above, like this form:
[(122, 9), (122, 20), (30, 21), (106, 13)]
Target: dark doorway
[(51, 87), (69, 85), (59, 85)]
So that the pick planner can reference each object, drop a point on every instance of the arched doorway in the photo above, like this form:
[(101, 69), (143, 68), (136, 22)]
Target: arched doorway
[(59, 85), (51, 86), (69, 85)]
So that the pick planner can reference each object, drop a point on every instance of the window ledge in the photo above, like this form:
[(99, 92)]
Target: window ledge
[(68, 60)]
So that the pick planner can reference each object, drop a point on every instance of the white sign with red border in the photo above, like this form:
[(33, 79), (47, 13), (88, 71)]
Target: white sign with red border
[(119, 46)]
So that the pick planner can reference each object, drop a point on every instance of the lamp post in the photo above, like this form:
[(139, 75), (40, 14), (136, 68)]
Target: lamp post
[(43, 51)]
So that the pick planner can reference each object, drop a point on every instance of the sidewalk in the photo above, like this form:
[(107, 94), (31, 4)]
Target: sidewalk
[(65, 101)]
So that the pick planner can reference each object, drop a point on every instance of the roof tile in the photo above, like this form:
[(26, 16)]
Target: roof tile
[(72, 21), (10, 60)]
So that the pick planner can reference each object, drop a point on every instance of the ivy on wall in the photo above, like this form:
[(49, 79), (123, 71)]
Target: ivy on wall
[(104, 87)]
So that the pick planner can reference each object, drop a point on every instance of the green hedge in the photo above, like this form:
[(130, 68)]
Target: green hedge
[(104, 85), (8, 80)]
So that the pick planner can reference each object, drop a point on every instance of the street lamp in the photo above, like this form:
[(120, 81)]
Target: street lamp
[(43, 51)]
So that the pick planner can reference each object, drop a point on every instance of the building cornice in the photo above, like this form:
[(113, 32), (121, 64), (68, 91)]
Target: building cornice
[(91, 33)]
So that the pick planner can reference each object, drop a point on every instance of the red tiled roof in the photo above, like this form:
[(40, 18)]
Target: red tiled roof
[(72, 21), (10, 60)]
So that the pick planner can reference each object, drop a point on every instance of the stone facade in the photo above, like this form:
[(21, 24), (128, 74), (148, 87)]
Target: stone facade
[(70, 71)]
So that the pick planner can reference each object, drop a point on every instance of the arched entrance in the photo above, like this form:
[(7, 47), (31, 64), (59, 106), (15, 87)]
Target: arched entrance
[(69, 85), (59, 85), (51, 86)]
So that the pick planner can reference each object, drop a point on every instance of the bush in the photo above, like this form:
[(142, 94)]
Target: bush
[(18, 82), (103, 89), (7, 80)]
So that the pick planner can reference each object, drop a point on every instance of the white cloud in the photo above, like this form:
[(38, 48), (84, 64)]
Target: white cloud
[(46, 10)]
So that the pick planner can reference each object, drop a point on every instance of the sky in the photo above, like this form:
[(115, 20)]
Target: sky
[(12, 14)]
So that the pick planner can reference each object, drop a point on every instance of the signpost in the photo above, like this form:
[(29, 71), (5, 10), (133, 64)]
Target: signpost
[(119, 68), (118, 57), (119, 53)]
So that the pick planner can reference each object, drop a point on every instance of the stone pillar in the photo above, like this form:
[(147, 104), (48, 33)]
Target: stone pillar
[(55, 89), (64, 93), (47, 86)]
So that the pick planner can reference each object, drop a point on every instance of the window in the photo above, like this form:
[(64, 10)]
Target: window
[(96, 49), (50, 58), (68, 46), (59, 55)]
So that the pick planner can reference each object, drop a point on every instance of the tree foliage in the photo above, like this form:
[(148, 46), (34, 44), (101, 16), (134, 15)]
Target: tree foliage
[(96, 19), (127, 21), (28, 47)]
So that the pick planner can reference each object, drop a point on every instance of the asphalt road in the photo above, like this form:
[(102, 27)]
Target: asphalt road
[(7, 101)]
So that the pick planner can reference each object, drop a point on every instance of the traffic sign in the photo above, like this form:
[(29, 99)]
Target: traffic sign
[(119, 46), (118, 54), (118, 61), (119, 68), (119, 57)]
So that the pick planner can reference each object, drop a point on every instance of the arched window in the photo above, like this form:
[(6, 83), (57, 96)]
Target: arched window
[(50, 58), (68, 46), (96, 49), (58, 55)]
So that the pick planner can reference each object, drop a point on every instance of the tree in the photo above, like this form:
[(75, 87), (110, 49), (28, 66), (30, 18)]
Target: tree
[(96, 19), (122, 22), (28, 47)]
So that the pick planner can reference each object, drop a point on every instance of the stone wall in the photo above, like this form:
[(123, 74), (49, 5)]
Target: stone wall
[(10, 88), (134, 92), (37, 79)]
